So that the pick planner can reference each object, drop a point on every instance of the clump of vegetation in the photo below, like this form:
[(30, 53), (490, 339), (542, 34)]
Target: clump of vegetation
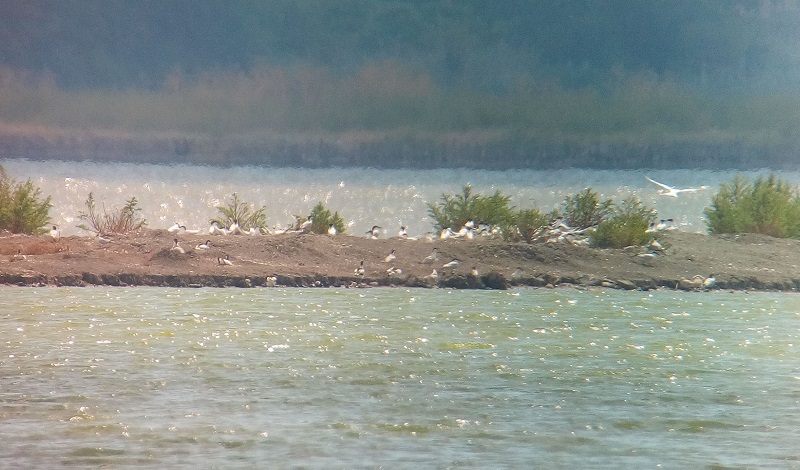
[(117, 221), (626, 226), (524, 225), (322, 220), (584, 210), (22, 209), (455, 210), (241, 213), (768, 206)]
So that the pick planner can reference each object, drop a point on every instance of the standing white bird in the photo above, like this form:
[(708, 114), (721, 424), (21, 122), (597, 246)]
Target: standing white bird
[(665, 190), (215, 229), (374, 231), (403, 233), (332, 230), (434, 256), (176, 248), (359, 271), (55, 233), (235, 229), (19, 256), (452, 264)]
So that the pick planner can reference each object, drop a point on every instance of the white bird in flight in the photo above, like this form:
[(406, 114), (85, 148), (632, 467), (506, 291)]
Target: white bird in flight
[(665, 190)]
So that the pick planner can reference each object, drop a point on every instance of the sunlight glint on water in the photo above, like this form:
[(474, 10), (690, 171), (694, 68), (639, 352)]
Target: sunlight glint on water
[(220, 378), (365, 197)]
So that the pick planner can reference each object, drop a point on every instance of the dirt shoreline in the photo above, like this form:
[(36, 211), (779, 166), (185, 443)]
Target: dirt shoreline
[(742, 262)]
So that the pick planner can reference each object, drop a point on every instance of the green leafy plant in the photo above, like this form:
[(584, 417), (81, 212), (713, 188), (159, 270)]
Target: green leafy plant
[(22, 209), (768, 206), (117, 221), (584, 210), (524, 225), (322, 220), (241, 213), (454, 211), (626, 226)]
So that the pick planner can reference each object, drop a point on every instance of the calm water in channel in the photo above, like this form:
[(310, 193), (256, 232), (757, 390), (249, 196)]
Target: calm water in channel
[(230, 378)]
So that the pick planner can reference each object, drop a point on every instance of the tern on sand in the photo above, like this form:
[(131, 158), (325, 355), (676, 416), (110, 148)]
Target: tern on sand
[(665, 190), (55, 233), (359, 271), (176, 248)]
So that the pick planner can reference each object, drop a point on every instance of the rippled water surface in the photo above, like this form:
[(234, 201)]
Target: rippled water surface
[(364, 197), (325, 378)]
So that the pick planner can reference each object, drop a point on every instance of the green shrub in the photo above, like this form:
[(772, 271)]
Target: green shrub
[(524, 224), (241, 213), (768, 206), (585, 209), (626, 226), (22, 210), (322, 220), (118, 221), (455, 210)]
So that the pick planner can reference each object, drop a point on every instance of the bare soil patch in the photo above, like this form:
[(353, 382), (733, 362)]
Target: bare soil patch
[(145, 258)]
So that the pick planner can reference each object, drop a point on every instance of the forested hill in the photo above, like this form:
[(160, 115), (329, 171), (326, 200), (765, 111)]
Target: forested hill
[(402, 82), (475, 43)]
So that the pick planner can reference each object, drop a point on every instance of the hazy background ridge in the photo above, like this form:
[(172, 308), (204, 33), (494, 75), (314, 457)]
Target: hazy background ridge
[(403, 83)]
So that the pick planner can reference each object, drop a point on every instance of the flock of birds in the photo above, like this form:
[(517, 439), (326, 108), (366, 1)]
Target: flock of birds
[(555, 232), (374, 233)]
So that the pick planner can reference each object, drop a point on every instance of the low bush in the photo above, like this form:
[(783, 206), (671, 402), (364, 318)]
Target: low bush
[(627, 225), (22, 209), (117, 221), (322, 220), (455, 210), (241, 213), (768, 206), (584, 210), (524, 225)]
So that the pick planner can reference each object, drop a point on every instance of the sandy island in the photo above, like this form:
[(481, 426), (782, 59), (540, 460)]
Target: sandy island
[(144, 258)]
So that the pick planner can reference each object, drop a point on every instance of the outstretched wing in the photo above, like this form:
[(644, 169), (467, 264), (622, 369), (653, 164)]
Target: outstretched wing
[(691, 190), (660, 185)]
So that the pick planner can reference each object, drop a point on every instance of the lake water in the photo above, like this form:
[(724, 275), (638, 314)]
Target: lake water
[(393, 378), (364, 197), (396, 378)]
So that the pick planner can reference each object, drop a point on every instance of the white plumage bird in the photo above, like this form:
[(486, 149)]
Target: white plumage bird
[(176, 247), (666, 190)]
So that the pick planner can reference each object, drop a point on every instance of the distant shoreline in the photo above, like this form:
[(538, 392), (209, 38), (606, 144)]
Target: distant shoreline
[(386, 150)]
